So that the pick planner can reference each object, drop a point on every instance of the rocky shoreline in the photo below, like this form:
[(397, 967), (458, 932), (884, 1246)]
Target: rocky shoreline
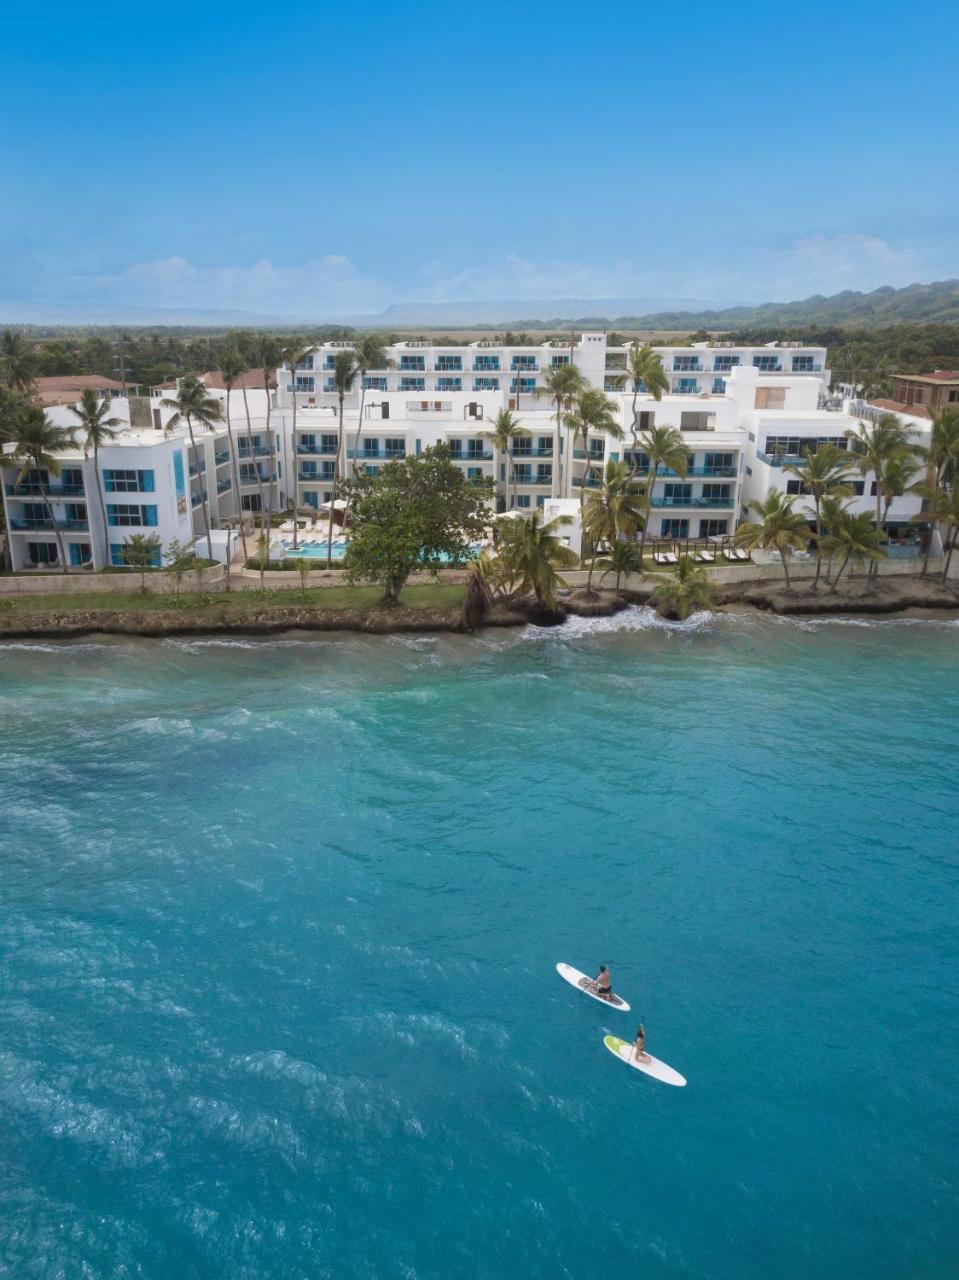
[(914, 597)]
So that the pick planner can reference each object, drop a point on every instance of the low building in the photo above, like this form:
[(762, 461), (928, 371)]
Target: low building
[(919, 392)]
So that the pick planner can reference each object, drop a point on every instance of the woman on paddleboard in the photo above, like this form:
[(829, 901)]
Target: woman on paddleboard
[(639, 1048)]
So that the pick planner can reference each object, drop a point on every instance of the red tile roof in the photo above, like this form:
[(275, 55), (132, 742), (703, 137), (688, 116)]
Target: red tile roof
[(252, 379), (896, 406), (940, 375), (68, 388)]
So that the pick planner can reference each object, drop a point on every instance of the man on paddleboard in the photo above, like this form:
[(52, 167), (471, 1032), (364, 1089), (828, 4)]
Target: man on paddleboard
[(604, 983)]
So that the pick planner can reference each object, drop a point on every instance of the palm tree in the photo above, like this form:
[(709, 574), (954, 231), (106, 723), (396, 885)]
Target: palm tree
[(233, 366), (825, 471), (192, 404), (622, 560), (685, 590), (270, 355), (611, 512), (36, 442), (370, 353), (17, 362), (943, 455), (895, 477), (855, 538), (345, 368), (246, 354), (644, 368), (950, 518), (532, 551), (296, 354), (560, 384), (780, 528), (97, 429), (592, 410), (874, 444), (663, 447), (506, 429)]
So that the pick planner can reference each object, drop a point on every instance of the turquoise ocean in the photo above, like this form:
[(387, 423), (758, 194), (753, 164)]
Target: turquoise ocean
[(278, 928)]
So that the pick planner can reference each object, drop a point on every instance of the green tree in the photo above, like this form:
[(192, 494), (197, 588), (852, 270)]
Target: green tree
[(591, 410), (780, 529), (531, 552), (622, 560), (560, 385), (369, 354), (303, 569), (854, 538), (17, 362), (683, 591), (36, 443), (232, 367), (140, 551), (296, 354), (98, 429), (345, 368), (415, 513), (610, 512), (827, 470), (644, 369), (506, 429), (663, 447), (192, 404), (179, 559)]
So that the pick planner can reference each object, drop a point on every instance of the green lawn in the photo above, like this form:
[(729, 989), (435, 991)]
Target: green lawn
[(233, 604)]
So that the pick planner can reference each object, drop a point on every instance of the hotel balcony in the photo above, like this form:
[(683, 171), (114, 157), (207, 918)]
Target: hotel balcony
[(31, 523), (694, 502), (53, 490), (374, 455), (224, 486), (222, 457), (317, 450)]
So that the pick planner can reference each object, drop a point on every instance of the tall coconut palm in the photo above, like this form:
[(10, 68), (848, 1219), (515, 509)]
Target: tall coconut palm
[(98, 429), (611, 512), (269, 356), (950, 518), (296, 354), (780, 529), (17, 362), (246, 350), (854, 538), (560, 385), (943, 454), (36, 442), (192, 404), (896, 476), (506, 428), (874, 444), (232, 367), (592, 410), (827, 470), (664, 447), (685, 589), (532, 552), (370, 353), (345, 368), (644, 368)]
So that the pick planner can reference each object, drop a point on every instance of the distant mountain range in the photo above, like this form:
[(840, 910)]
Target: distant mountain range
[(915, 304), (435, 315)]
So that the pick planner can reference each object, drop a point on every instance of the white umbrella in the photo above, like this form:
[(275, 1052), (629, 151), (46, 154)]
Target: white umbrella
[(516, 514), (338, 504)]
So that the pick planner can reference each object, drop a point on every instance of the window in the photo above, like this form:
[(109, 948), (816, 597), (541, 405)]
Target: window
[(953, 396), (413, 362), (612, 384), (371, 383), (395, 447), (770, 398), (412, 384), (686, 363), (803, 364), (719, 386), (544, 473), (121, 515), (597, 450), (767, 364), (42, 553), (638, 460), (117, 557), (523, 500), (250, 502), (673, 528), (687, 386), (872, 489), (449, 362), (115, 481), (474, 473), (371, 446), (717, 493), (677, 494), (304, 384), (718, 464), (523, 362), (712, 528), (76, 513), (524, 473), (723, 364), (306, 363), (329, 384), (449, 384), (794, 486), (486, 384), (556, 361), (522, 446), (525, 386), (486, 362), (857, 486), (80, 553)]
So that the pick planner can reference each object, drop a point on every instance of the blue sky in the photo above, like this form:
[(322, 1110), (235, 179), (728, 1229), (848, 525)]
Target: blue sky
[(316, 160)]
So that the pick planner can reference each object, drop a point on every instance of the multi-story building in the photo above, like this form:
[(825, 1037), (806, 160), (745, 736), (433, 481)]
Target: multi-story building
[(418, 367)]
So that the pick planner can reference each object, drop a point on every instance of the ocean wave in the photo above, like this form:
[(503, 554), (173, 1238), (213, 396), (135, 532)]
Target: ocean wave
[(638, 617)]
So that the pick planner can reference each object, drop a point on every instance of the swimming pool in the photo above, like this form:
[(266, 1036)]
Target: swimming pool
[(316, 549)]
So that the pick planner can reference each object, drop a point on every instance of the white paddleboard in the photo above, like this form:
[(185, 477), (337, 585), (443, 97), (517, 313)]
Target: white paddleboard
[(588, 987), (652, 1066)]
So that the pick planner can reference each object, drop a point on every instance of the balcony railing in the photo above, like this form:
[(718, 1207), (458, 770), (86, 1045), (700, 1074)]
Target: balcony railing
[(40, 522), (694, 501), (53, 491), (224, 486), (221, 457), (316, 450), (315, 477), (533, 453), (581, 455), (362, 455), (471, 457), (258, 451)]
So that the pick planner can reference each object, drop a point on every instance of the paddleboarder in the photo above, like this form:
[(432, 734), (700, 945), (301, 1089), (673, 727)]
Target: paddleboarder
[(639, 1047), (604, 983)]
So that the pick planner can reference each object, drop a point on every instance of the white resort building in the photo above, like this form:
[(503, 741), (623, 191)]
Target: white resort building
[(743, 413)]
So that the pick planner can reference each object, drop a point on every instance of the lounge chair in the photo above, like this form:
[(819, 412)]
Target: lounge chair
[(671, 557), (740, 554), (730, 555), (660, 557), (705, 557)]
